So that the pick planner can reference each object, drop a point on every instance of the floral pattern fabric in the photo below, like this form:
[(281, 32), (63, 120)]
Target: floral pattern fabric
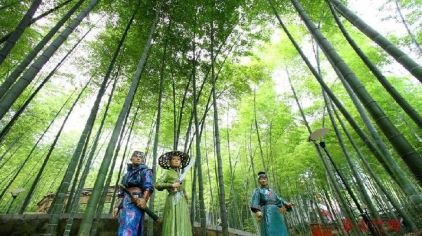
[(131, 218)]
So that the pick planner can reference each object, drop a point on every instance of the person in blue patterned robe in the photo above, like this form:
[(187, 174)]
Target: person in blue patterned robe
[(138, 180), (269, 209)]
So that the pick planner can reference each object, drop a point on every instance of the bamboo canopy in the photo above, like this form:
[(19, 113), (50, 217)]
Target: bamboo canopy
[(318, 94)]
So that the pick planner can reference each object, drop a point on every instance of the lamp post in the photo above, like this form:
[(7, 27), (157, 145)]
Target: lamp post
[(320, 134), (15, 193)]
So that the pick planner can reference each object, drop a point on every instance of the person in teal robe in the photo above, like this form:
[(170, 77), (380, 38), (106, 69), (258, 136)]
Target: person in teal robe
[(176, 219), (269, 209)]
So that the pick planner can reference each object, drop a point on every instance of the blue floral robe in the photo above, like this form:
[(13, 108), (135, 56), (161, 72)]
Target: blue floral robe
[(131, 218), (272, 222)]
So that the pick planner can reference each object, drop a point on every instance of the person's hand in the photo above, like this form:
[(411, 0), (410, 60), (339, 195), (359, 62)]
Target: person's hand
[(282, 210), (141, 203), (258, 215), (176, 185), (115, 212), (289, 206)]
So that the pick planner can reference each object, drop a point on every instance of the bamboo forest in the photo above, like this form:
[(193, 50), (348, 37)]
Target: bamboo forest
[(319, 100)]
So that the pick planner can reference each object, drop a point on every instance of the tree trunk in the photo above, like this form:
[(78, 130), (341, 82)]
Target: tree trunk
[(15, 117), (10, 156), (125, 154), (367, 199), (222, 195), (33, 148), (174, 114), (251, 156), (8, 82), (199, 95), (399, 142), (198, 163), (85, 136), (9, 147), (331, 207), (16, 90), (257, 134), (193, 205), (409, 32), (406, 217), (35, 19), (411, 112), (328, 169), (393, 167), (274, 175), (233, 199), (355, 172), (86, 223), (181, 110), (73, 202), (157, 126), (333, 180), (209, 178), (414, 68), (103, 197), (207, 107), (14, 37), (52, 146), (338, 104)]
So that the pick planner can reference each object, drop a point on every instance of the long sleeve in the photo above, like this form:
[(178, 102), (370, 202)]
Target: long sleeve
[(255, 206), (162, 182), (281, 202), (148, 181)]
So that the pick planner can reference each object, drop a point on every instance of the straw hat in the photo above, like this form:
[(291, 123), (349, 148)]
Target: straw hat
[(164, 160)]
